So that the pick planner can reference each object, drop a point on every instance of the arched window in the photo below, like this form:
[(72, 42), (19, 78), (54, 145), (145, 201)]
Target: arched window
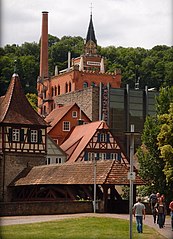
[(58, 89), (85, 85), (66, 87), (55, 90), (52, 91), (93, 84), (70, 87)]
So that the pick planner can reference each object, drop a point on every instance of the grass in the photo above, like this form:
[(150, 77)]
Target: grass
[(78, 228)]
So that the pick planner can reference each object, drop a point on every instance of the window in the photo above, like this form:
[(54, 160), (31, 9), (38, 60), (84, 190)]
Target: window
[(34, 136), (66, 87), (48, 160), (93, 84), (70, 87), (103, 137), (52, 91), (58, 160), (55, 90), (58, 90), (74, 114), (16, 135), (85, 85), (102, 156), (66, 126), (113, 156)]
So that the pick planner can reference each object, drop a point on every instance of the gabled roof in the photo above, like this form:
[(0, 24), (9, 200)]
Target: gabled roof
[(57, 114), (16, 109), (108, 172), (91, 33), (80, 137), (53, 147)]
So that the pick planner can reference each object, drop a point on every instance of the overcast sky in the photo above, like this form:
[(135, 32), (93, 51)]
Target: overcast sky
[(127, 23)]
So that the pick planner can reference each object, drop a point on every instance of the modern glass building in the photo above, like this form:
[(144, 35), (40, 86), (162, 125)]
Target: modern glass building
[(127, 107)]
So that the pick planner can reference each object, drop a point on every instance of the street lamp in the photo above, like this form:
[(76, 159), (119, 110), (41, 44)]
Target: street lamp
[(95, 176), (131, 175)]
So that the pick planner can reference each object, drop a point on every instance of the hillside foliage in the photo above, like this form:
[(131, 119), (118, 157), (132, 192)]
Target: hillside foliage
[(153, 67)]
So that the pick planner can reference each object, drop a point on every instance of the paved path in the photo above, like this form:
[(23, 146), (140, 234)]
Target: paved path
[(166, 231)]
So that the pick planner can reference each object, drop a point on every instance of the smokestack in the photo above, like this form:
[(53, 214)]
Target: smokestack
[(44, 47)]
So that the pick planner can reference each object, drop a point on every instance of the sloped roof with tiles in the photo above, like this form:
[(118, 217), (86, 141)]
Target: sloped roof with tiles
[(80, 137), (108, 172), (57, 114), (16, 109)]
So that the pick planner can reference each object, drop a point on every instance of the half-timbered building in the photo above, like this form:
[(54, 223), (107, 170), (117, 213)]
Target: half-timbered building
[(94, 157), (93, 140), (23, 135)]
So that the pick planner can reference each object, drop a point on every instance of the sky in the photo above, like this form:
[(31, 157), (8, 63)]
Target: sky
[(126, 23)]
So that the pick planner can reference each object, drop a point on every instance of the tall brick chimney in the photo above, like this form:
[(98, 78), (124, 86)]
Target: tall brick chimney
[(44, 47)]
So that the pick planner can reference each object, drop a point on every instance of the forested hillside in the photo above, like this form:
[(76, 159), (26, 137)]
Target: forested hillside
[(152, 67)]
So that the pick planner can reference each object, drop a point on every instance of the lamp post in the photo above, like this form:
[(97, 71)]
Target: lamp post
[(131, 176), (95, 174)]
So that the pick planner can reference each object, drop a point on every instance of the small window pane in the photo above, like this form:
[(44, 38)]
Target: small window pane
[(74, 114), (34, 136), (66, 126), (16, 135)]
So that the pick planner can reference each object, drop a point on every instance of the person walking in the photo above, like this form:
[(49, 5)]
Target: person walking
[(161, 209), (171, 213), (153, 201), (139, 213)]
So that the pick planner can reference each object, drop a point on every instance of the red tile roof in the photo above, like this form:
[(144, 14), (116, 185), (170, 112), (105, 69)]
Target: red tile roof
[(108, 172), (57, 114), (15, 108), (80, 137)]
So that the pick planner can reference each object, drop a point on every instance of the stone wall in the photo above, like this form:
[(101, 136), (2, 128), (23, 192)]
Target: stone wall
[(87, 99), (43, 208), (11, 165)]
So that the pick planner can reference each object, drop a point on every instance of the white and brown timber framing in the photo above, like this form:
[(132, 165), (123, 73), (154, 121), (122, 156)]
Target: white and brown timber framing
[(23, 135)]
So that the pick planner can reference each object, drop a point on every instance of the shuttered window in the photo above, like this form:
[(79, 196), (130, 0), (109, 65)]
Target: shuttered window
[(34, 136)]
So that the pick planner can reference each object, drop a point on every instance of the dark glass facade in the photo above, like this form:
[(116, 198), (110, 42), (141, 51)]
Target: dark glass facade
[(127, 107)]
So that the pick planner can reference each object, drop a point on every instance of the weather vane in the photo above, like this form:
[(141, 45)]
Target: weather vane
[(91, 8)]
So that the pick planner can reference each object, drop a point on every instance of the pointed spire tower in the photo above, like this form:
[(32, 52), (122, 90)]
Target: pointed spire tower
[(91, 42)]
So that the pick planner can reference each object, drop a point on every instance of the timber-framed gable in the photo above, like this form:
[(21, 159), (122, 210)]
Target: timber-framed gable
[(23, 139)]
